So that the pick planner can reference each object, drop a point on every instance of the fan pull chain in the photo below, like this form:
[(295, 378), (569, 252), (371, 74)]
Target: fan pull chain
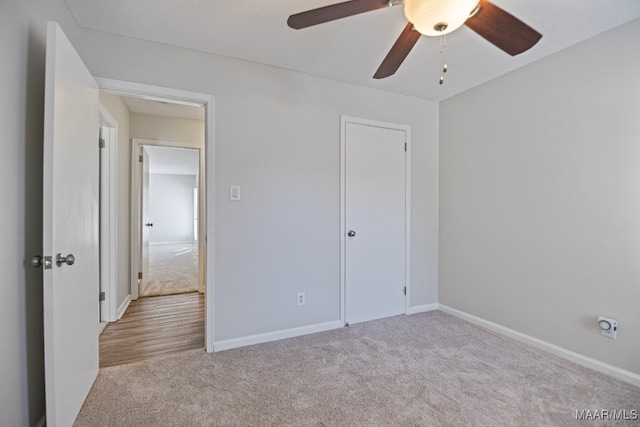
[(443, 57)]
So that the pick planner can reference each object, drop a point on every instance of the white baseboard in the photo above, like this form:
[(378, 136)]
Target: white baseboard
[(422, 308), (123, 306), (596, 365), (276, 335), (43, 421), (101, 327)]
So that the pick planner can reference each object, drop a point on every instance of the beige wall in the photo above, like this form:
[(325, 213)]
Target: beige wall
[(167, 129), (540, 202)]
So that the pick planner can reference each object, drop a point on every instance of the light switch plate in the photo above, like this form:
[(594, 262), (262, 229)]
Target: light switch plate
[(234, 193)]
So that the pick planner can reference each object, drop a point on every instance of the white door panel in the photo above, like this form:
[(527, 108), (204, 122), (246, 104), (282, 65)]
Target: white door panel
[(145, 220), (375, 211), (70, 213)]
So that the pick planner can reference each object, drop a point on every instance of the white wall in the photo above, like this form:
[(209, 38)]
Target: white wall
[(22, 43), (277, 135), (118, 110), (540, 202), (171, 207)]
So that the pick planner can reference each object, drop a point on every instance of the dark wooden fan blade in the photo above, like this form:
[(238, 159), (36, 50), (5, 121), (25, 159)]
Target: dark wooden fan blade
[(333, 12), (503, 29), (398, 52)]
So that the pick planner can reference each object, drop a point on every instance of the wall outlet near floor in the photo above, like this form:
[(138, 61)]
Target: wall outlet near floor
[(608, 327), (301, 298)]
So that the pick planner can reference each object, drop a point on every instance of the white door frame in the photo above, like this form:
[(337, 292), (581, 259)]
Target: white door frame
[(136, 200), (343, 193), (119, 87), (108, 215), (137, 259)]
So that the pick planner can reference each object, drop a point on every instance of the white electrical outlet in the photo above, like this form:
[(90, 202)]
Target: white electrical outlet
[(608, 327), (301, 300)]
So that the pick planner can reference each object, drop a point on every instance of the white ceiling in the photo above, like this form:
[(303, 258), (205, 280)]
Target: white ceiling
[(173, 161), (350, 49), (163, 108)]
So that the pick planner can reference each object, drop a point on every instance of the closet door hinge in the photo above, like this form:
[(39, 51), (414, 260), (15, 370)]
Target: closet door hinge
[(101, 296), (101, 143), (405, 147), (405, 290), (140, 158)]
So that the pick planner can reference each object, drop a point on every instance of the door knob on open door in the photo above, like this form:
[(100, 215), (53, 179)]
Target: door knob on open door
[(40, 261), (351, 233), (149, 224), (69, 260)]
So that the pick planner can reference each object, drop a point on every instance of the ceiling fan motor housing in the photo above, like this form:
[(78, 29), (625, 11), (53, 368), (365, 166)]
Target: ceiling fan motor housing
[(438, 17)]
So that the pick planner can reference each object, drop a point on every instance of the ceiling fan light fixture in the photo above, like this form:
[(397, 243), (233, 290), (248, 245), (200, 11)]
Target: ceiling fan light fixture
[(431, 18), (438, 17)]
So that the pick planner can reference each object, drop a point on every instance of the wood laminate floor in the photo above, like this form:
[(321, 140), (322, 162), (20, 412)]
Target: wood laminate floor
[(154, 326)]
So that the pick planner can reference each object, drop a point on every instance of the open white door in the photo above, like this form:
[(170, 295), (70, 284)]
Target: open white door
[(146, 223), (70, 213)]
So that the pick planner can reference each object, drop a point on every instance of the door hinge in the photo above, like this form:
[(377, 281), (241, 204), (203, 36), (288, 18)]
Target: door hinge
[(101, 143), (405, 290), (140, 158), (405, 147), (140, 276), (101, 296)]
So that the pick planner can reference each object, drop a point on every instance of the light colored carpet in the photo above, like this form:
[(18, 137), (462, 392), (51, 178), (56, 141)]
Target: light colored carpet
[(429, 369), (173, 269)]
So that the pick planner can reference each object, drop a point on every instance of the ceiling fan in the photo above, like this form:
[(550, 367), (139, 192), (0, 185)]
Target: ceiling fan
[(431, 18)]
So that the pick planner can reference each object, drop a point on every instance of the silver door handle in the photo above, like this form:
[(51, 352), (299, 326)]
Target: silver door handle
[(351, 233), (36, 261), (39, 261), (69, 260)]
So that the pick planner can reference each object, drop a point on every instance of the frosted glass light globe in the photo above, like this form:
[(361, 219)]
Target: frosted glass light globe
[(427, 14)]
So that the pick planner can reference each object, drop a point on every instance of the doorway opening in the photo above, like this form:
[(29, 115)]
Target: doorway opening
[(176, 281), (168, 219)]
